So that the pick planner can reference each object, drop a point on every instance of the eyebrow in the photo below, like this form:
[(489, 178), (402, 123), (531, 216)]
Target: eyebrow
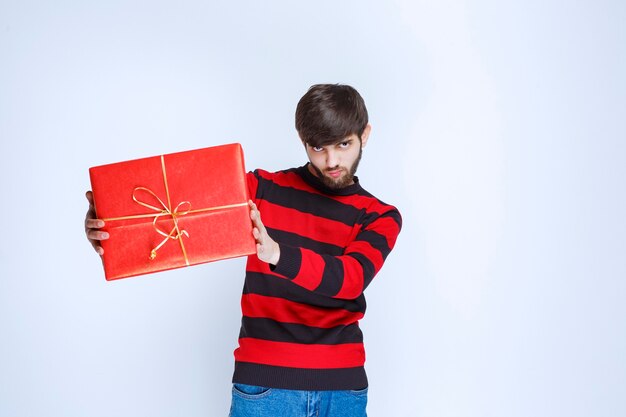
[(339, 142)]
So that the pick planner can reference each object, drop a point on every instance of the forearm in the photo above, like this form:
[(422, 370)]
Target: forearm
[(344, 276)]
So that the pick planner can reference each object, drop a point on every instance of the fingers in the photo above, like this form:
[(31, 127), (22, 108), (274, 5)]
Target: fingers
[(94, 223), (97, 248), (253, 209), (266, 248), (97, 235), (255, 216), (91, 222), (258, 231)]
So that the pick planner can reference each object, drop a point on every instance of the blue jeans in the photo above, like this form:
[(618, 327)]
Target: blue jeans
[(253, 401)]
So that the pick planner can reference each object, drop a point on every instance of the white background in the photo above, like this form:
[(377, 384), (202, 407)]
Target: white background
[(498, 131)]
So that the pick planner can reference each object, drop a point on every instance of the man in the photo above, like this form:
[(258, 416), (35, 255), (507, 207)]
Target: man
[(320, 243)]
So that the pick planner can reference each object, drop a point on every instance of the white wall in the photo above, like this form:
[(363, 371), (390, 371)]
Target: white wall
[(498, 132)]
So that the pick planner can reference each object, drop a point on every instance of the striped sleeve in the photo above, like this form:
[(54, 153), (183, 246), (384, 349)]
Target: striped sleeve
[(253, 184), (345, 276)]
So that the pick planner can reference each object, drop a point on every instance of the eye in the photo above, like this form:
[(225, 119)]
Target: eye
[(344, 144), (317, 148)]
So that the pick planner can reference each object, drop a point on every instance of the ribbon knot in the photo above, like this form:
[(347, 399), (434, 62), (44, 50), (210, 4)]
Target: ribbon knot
[(181, 209)]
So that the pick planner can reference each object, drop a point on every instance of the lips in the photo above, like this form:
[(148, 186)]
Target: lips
[(336, 173)]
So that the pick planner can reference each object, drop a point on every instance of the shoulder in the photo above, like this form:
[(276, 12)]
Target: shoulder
[(372, 203), (284, 178), (262, 173), (375, 208), (283, 182)]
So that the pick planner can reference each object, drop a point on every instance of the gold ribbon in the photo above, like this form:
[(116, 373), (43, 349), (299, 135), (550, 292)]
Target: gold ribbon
[(176, 233)]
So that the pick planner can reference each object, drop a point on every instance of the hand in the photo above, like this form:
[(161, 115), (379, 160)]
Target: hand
[(266, 248), (92, 226)]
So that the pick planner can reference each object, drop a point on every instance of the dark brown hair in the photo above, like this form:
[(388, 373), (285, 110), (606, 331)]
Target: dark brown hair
[(328, 113)]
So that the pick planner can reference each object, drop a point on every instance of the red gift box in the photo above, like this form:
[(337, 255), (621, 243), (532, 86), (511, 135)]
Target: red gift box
[(173, 210)]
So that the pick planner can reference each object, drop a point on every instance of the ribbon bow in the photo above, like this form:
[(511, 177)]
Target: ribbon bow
[(176, 232)]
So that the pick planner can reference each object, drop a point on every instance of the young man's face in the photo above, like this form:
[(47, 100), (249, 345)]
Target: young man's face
[(336, 164)]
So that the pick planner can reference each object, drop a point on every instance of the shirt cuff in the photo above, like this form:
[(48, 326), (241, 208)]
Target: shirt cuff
[(288, 264)]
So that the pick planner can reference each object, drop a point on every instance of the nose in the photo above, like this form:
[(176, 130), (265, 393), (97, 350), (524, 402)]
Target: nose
[(332, 158)]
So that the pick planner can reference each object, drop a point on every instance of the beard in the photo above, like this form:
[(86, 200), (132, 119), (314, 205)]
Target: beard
[(344, 180)]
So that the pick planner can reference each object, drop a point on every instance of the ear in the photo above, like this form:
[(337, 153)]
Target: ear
[(365, 135)]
